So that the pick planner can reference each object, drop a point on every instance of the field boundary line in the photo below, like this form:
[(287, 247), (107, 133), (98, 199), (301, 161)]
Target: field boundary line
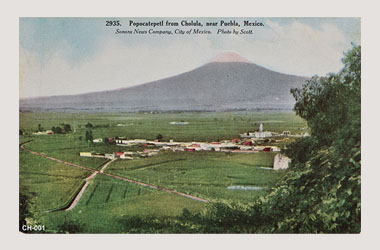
[(95, 172), (156, 187), (54, 159)]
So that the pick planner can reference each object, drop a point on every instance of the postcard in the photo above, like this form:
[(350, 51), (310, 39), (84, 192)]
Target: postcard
[(180, 125)]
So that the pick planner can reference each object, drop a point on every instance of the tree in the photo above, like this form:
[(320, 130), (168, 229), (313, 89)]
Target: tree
[(20, 132), (40, 128), (89, 137), (331, 103), (323, 190), (67, 128), (57, 130), (159, 137), (89, 125)]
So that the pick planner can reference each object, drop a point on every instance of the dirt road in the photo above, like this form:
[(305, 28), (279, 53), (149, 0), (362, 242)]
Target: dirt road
[(88, 179), (101, 171)]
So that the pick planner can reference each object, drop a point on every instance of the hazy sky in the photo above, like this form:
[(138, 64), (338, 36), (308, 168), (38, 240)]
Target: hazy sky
[(76, 55)]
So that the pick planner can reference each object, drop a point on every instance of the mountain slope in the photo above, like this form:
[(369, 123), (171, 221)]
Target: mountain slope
[(219, 85)]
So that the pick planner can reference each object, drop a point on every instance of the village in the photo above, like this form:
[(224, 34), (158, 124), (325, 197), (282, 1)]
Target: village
[(248, 143)]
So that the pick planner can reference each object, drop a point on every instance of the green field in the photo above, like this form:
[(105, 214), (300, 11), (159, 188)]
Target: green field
[(203, 126), (107, 201), (203, 174), (49, 184)]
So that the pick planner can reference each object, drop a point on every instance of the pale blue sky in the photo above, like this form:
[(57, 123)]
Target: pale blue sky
[(78, 55)]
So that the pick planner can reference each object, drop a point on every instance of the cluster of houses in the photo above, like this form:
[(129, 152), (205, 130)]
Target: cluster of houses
[(121, 155), (247, 144), (233, 146), (265, 134)]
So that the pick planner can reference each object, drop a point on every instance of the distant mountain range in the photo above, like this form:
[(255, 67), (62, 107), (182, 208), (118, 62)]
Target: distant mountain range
[(228, 82)]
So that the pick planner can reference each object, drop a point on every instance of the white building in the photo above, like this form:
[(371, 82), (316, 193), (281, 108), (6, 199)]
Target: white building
[(281, 162), (109, 156), (87, 154), (257, 135), (178, 123)]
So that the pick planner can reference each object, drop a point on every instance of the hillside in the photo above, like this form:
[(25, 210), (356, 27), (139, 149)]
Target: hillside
[(227, 82)]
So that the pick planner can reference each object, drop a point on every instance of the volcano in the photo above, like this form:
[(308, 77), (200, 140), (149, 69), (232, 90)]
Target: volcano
[(228, 82)]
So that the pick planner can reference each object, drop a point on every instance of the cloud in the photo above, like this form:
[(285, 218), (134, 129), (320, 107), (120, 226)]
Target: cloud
[(297, 49)]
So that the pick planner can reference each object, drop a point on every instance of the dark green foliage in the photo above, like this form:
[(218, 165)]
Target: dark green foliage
[(89, 137), (40, 128), (25, 205), (332, 103), (159, 137), (57, 130), (67, 128), (138, 224), (70, 226), (301, 149), (89, 125), (329, 182), (20, 132)]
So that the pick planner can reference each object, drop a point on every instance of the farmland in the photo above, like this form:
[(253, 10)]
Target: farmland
[(49, 185)]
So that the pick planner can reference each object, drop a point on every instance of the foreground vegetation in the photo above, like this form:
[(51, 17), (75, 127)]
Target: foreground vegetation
[(107, 203), (45, 185)]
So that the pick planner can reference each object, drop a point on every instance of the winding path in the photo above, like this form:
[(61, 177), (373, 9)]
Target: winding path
[(88, 179), (101, 171)]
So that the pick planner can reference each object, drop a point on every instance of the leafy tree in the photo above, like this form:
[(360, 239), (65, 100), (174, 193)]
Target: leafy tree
[(89, 125), (57, 130), (67, 128), (331, 104), (89, 137), (80, 138), (159, 137), (40, 128), (20, 132), (322, 192)]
